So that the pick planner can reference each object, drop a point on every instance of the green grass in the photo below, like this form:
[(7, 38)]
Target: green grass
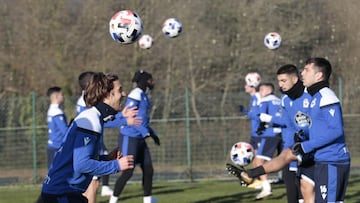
[(228, 191)]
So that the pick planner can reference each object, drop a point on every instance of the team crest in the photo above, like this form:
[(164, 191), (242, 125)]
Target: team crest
[(302, 120)]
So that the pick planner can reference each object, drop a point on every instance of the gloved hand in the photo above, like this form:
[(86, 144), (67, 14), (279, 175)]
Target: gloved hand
[(261, 128), (299, 136), (265, 117), (298, 151), (156, 139)]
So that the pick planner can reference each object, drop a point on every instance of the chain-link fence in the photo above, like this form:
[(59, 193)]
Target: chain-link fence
[(195, 139)]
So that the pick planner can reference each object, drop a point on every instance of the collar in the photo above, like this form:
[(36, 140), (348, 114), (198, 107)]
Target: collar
[(296, 91), (313, 89), (106, 111)]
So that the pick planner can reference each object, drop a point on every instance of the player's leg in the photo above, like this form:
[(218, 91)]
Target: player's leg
[(148, 172), (128, 146), (307, 183), (330, 182), (105, 188), (274, 165), (255, 142), (292, 184), (90, 192), (266, 150)]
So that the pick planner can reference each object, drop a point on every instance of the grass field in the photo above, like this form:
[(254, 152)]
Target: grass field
[(215, 191)]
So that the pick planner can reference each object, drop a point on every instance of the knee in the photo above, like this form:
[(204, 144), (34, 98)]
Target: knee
[(127, 173)]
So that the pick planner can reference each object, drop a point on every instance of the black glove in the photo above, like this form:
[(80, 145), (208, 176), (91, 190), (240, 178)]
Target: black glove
[(261, 128), (297, 149), (299, 136), (156, 139)]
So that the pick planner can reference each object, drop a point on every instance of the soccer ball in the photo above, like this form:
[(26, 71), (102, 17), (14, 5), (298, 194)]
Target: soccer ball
[(125, 27), (253, 79), (272, 40), (145, 41), (242, 153), (172, 27)]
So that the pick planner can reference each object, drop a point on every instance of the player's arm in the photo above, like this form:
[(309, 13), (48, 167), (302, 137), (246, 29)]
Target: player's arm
[(85, 147), (329, 133)]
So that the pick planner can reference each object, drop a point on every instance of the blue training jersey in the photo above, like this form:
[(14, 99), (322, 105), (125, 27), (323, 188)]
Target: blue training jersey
[(295, 116), (76, 161), (253, 114), (57, 126), (138, 98), (270, 105), (326, 131)]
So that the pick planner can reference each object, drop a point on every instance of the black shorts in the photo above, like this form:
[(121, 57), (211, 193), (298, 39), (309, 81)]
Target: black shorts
[(255, 141), (267, 147), (307, 173)]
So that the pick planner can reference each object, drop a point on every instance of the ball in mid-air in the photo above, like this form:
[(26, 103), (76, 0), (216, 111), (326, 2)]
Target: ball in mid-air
[(145, 41), (125, 26), (272, 40), (172, 27), (253, 79), (242, 153)]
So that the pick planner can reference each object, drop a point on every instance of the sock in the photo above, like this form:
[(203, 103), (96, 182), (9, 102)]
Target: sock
[(256, 172), (266, 185), (147, 199), (113, 199)]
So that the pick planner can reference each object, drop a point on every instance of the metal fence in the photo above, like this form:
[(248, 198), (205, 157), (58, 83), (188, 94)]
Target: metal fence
[(193, 146)]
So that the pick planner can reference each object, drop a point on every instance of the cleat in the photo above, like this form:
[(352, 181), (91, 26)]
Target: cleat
[(257, 184), (240, 173)]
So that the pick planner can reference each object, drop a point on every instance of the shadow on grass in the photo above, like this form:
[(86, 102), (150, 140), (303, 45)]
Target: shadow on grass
[(245, 196)]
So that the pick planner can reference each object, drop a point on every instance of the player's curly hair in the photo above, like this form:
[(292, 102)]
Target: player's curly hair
[(99, 88)]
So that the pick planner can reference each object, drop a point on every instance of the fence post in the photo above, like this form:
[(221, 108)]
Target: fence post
[(33, 101), (340, 89), (188, 140)]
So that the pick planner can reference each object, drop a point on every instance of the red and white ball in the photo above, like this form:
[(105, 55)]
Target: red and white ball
[(242, 153), (125, 27), (253, 79), (145, 42)]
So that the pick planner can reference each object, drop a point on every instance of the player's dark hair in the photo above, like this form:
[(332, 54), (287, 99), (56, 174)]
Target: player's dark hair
[(289, 69), (52, 90), (268, 84), (141, 78), (323, 66), (84, 79), (99, 88)]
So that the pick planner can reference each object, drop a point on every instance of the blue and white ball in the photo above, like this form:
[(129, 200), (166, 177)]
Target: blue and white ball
[(172, 27), (272, 40), (125, 27)]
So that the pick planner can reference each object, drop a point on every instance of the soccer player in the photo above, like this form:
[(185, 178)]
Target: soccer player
[(326, 138), (132, 138), (56, 120), (76, 161), (252, 81), (84, 79), (270, 136), (295, 103)]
